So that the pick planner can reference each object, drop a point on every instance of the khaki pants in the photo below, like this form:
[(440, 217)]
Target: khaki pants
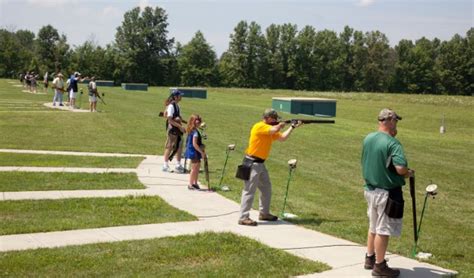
[(258, 179)]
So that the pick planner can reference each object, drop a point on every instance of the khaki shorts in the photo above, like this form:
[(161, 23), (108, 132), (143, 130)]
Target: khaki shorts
[(379, 222), (171, 141)]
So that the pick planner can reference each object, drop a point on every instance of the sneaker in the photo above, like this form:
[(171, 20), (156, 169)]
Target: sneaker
[(61, 104), (267, 217), (179, 169), (369, 261), (383, 270), (195, 186), (165, 168), (248, 222), (190, 187)]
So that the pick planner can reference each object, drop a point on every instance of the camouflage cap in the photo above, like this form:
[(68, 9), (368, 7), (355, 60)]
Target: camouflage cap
[(271, 113), (388, 113)]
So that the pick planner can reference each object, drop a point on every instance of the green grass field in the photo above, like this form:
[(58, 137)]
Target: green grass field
[(27, 181), (46, 160), (19, 217), (326, 191), (202, 255)]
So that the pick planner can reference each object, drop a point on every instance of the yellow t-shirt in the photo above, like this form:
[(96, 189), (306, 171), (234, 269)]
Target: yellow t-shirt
[(260, 142)]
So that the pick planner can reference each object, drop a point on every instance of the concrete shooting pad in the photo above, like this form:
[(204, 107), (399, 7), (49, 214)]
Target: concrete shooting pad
[(304, 105), (135, 86), (64, 108), (191, 92)]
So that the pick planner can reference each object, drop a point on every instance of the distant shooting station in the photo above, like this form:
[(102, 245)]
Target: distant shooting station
[(135, 86), (321, 107)]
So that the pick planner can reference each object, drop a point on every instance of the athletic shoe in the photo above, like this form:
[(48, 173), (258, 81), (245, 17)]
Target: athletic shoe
[(61, 104), (248, 222), (383, 270), (179, 169), (190, 187), (165, 168), (369, 261), (196, 186), (267, 217)]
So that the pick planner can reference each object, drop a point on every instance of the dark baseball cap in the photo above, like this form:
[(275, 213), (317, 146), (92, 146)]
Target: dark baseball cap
[(177, 92)]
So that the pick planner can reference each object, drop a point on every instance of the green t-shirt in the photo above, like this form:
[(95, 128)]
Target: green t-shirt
[(377, 148)]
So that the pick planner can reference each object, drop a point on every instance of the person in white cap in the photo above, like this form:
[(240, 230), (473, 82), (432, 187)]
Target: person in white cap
[(384, 168), (73, 85)]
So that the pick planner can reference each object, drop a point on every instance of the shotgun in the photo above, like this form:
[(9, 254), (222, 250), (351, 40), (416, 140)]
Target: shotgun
[(295, 121)]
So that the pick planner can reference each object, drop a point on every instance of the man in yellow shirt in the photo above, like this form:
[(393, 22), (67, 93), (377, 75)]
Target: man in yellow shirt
[(262, 136)]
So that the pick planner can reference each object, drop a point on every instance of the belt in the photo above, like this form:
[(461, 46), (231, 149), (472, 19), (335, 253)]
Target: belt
[(254, 159)]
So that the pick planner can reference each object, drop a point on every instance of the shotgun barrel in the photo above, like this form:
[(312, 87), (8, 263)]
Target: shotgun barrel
[(413, 204), (309, 121)]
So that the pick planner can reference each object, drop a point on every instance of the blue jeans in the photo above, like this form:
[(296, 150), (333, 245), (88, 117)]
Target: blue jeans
[(58, 96)]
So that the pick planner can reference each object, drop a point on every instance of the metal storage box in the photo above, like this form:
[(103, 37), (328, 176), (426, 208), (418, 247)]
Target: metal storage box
[(307, 106)]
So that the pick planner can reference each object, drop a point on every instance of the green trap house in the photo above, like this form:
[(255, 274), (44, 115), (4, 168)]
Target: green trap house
[(192, 92), (135, 86), (321, 107)]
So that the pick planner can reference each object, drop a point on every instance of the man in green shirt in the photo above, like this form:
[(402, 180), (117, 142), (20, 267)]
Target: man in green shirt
[(384, 168)]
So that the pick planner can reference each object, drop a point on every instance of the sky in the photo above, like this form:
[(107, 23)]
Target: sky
[(98, 20)]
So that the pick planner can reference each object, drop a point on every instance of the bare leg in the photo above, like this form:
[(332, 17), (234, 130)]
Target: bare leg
[(381, 243), (370, 243)]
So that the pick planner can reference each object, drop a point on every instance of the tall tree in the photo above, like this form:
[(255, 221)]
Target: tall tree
[(377, 68), (198, 63), (143, 45), (276, 75), (328, 61), (455, 65), (287, 51), (233, 68), (305, 66), (51, 49)]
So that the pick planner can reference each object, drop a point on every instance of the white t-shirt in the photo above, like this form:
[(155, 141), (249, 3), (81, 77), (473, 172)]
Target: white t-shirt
[(58, 83), (170, 111)]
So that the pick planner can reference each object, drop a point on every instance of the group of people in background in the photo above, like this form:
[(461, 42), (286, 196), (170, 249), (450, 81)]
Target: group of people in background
[(29, 81), (70, 87)]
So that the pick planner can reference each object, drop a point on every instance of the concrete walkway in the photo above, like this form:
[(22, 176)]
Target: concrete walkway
[(219, 214)]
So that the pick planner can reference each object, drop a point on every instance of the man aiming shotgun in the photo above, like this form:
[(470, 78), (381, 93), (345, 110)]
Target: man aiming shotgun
[(253, 170), (384, 168)]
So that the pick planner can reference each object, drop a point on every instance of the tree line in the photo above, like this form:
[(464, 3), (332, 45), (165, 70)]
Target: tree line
[(281, 56)]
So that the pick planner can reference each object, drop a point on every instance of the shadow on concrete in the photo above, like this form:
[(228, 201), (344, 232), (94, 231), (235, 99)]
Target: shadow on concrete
[(424, 272)]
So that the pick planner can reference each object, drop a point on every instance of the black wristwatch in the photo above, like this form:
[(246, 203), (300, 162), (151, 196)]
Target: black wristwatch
[(293, 126)]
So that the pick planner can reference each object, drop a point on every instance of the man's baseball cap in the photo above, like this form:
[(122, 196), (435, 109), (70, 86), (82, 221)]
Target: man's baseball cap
[(60, 75), (271, 113), (388, 113), (77, 73), (177, 93)]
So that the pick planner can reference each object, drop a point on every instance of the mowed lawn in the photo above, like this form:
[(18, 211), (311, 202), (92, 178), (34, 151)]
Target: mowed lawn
[(201, 255), (326, 191)]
